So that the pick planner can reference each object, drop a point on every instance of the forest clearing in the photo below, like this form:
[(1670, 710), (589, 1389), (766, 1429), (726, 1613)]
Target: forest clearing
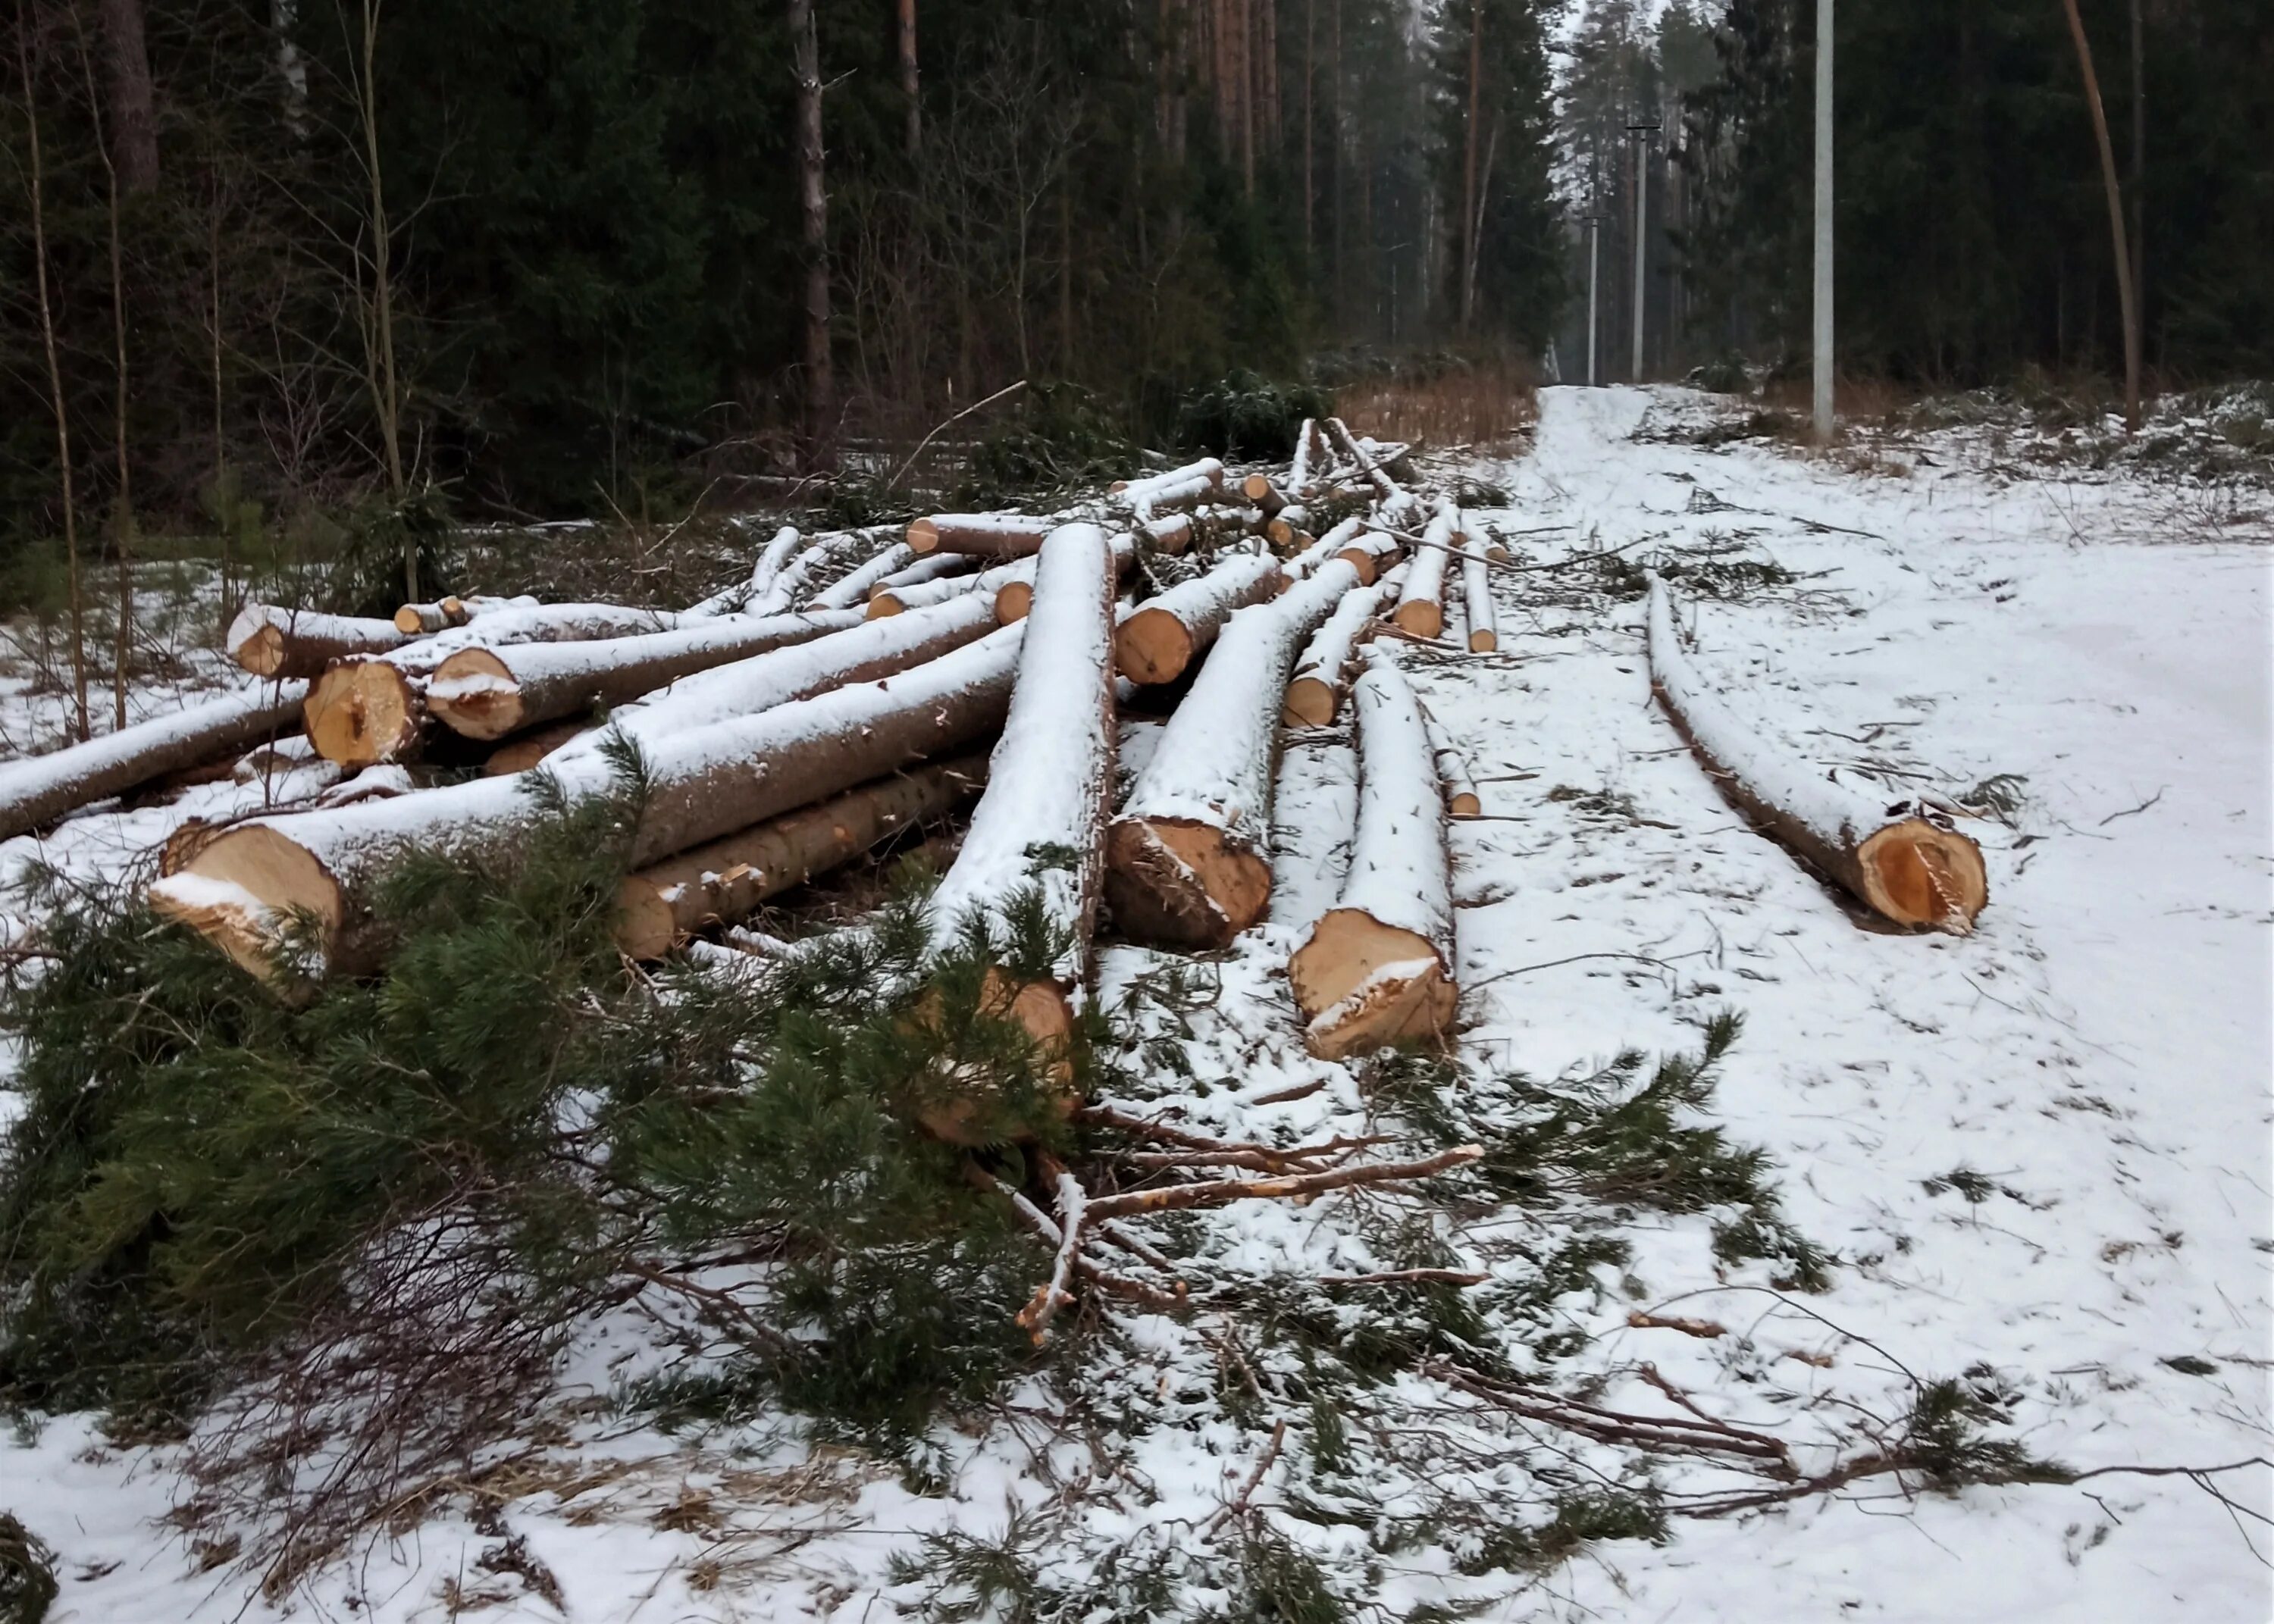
[(1719, 1229)]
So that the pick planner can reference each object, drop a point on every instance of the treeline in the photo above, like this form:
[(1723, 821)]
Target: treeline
[(260, 254), (1973, 238)]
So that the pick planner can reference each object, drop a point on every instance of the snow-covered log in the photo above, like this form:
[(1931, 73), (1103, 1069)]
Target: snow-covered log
[(985, 535), (1392, 502), (1420, 610), (1378, 968), (1901, 859), (1372, 553), (1307, 463), (1186, 861), (1170, 535), (1453, 775), (1016, 594), (272, 641), (856, 584), (1041, 825), (1179, 487), (487, 693), (724, 881), (37, 789), (937, 567), (1327, 547), (796, 582), (731, 600), (1315, 692), (892, 598), (424, 620), (372, 708), (1261, 494), (1285, 529), (1167, 632), (1476, 591), (520, 755), (243, 886)]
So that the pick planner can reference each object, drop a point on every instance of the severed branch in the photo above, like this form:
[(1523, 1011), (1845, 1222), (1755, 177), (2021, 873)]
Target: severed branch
[(1238, 1506), (1073, 1201), (1222, 1192)]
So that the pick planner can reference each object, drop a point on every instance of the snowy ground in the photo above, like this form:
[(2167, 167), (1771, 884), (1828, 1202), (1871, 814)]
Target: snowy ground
[(2099, 1053)]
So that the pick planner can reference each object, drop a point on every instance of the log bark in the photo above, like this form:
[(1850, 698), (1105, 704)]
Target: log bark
[(372, 708), (243, 886), (1322, 674), (271, 641), (983, 535), (520, 755), (487, 693), (1476, 592), (938, 566), (725, 882), (1041, 824), (1301, 474), (1185, 861), (1420, 610), (1900, 859), (39, 788), (1166, 634), (1378, 968)]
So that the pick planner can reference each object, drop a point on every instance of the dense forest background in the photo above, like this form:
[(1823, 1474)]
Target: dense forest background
[(552, 256)]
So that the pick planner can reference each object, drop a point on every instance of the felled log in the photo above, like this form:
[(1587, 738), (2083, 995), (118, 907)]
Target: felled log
[(1285, 529), (242, 887), (1186, 861), (487, 693), (372, 708), (1459, 785), (1179, 487), (1898, 858), (724, 881), (1262, 495), (272, 641), (855, 585), (1167, 632), (1378, 968), (891, 598), (1310, 459), (985, 535), (1392, 500), (733, 599), (1420, 610), (1326, 547), (37, 789), (1171, 534), (1041, 824), (520, 755), (1315, 692), (1371, 554), (795, 583), (1016, 594), (424, 620), (1476, 592), (937, 567)]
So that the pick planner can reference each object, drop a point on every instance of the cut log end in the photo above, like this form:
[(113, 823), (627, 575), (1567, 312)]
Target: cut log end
[(1483, 641), (242, 888), (1152, 646), (1181, 881), (958, 1114), (1310, 703), (1420, 619), (924, 536), (263, 652), (362, 713), (1363, 985), (473, 693), (1012, 601), (1922, 876), (1463, 803)]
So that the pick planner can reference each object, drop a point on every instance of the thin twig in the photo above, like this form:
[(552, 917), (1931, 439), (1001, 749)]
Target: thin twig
[(948, 424)]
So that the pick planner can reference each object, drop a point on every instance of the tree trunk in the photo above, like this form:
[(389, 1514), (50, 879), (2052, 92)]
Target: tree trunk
[(983, 535), (1041, 826), (370, 709), (133, 107), (2126, 297), (1014, 599), (1469, 160), (813, 213), (1315, 692), (1167, 632), (1378, 967), (487, 693), (1186, 861), (1895, 858), (270, 642), (910, 85), (1371, 554), (1420, 610), (725, 882), (1310, 180), (35, 789), (2140, 174), (1188, 486), (244, 886)]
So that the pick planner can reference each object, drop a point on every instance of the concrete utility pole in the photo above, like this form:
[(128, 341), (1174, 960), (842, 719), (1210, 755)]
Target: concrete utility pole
[(1823, 341), (1642, 133), (1594, 268)]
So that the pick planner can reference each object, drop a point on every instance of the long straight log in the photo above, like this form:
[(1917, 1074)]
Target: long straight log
[(1420, 610), (38, 788), (1322, 674), (938, 566), (1166, 634), (725, 882), (890, 599), (1302, 474), (372, 708), (487, 693), (272, 641), (424, 620), (1179, 487), (795, 583), (1476, 592), (1900, 859), (242, 887), (1262, 495), (1041, 825), (1186, 861), (856, 584), (733, 599), (1378, 967), (983, 535)]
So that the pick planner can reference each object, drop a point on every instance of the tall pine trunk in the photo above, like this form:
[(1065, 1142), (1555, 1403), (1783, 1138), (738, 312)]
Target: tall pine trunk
[(133, 105), (914, 137), (813, 209), (2125, 296), (1469, 213)]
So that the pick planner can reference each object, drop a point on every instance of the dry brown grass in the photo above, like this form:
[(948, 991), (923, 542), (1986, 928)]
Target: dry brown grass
[(1487, 404)]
